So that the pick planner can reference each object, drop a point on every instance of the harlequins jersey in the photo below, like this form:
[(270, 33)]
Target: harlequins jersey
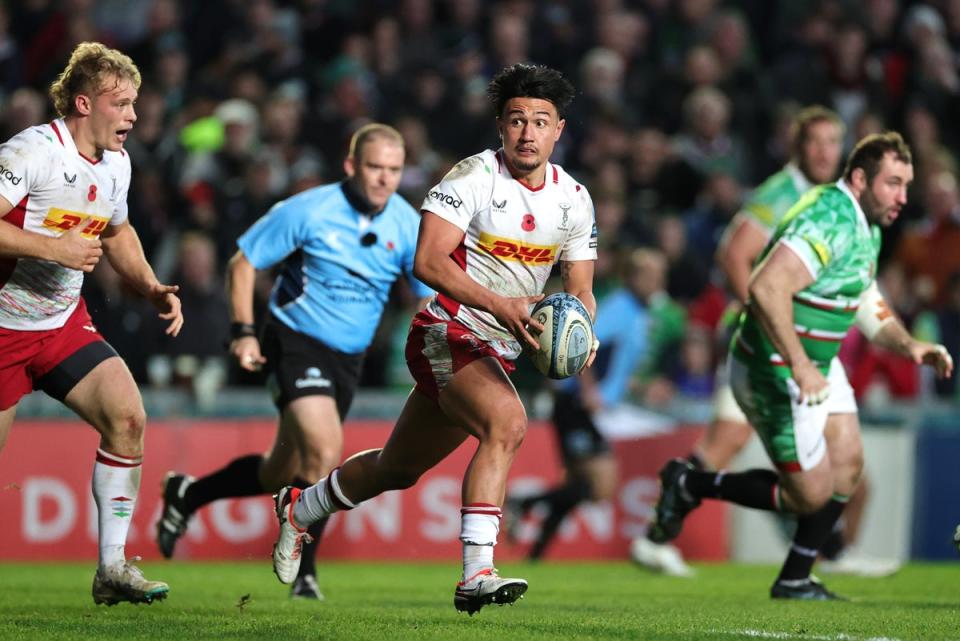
[(513, 235), (53, 188)]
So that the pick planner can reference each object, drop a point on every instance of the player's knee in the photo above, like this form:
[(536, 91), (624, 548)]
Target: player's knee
[(603, 489), (126, 425), (320, 460), (742, 434), (847, 468), (509, 433)]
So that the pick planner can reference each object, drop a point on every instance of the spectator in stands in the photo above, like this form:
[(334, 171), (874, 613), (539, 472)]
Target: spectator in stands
[(929, 253), (24, 107), (706, 141), (943, 326), (659, 182), (198, 354)]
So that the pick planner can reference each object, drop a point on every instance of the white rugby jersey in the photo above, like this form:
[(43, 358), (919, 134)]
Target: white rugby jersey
[(513, 234), (53, 187)]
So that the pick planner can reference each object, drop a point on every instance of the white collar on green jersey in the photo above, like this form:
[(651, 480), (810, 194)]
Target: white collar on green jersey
[(799, 180), (845, 188)]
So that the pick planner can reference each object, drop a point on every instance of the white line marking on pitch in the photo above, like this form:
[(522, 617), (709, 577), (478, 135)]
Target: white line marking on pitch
[(762, 634)]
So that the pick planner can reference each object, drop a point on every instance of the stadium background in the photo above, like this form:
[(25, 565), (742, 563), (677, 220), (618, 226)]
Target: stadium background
[(683, 105)]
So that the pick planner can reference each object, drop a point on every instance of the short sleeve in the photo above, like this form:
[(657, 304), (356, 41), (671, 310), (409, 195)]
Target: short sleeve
[(462, 193), (24, 164), (815, 241), (276, 235), (581, 243), (120, 211)]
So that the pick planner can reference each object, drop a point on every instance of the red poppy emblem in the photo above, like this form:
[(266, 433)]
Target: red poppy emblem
[(529, 223), (92, 194), (390, 245)]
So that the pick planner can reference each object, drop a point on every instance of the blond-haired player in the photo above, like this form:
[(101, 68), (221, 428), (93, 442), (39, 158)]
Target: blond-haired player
[(63, 205)]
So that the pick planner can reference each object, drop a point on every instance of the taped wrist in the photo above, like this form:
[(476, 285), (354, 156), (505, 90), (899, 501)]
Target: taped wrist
[(873, 313)]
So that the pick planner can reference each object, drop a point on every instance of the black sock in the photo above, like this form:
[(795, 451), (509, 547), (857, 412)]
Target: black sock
[(308, 555), (694, 459), (833, 547), (812, 531), (758, 489), (548, 497), (560, 503), (241, 477)]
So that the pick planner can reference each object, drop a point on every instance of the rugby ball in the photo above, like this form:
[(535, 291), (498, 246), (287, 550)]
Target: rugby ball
[(566, 338)]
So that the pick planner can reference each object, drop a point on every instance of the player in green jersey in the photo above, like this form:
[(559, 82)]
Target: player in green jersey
[(816, 152), (815, 278)]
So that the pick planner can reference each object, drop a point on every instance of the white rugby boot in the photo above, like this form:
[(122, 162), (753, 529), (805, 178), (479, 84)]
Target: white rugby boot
[(486, 587), (662, 558), (287, 549), (868, 567), (125, 582)]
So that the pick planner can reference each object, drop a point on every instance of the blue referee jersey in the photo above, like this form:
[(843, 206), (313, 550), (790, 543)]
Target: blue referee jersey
[(622, 328), (337, 270)]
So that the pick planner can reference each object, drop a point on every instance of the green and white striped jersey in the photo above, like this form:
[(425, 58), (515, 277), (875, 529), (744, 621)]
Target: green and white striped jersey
[(771, 201), (829, 232)]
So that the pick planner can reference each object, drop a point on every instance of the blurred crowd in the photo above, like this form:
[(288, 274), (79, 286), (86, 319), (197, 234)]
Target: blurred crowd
[(683, 107)]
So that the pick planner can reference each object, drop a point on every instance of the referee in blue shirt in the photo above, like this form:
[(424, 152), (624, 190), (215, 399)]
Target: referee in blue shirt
[(342, 247)]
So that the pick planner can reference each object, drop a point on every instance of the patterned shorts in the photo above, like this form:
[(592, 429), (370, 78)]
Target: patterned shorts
[(437, 349)]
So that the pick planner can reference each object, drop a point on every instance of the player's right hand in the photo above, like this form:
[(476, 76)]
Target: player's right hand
[(514, 314), (812, 387), (72, 250), (246, 350)]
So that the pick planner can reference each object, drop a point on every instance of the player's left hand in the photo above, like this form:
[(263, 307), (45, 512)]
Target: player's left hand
[(165, 299), (933, 355)]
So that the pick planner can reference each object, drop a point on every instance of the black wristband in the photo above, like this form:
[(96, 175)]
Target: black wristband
[(240, 330)]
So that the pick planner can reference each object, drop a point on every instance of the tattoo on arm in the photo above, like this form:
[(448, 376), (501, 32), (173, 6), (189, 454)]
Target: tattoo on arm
[(565, 269)]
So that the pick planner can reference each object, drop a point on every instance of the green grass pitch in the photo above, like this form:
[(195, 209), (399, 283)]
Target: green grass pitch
[(374, 601)]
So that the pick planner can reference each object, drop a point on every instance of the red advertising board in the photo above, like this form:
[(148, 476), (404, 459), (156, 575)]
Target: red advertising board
[(48, 511)]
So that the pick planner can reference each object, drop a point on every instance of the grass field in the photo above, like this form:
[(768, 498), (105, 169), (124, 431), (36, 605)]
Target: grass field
[(365, 601)]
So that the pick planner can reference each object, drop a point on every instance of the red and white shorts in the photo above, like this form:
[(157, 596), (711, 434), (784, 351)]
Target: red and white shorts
[(52, 360), (437, 349)]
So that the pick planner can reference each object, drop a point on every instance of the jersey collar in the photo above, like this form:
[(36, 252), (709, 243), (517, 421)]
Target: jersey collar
[(861, 217), (799, 180), (551, 175), (357, 200), (59, 127)]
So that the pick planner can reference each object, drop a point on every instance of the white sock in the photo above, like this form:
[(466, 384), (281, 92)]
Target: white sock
[(320, 500), (116, 482), (479, 527)]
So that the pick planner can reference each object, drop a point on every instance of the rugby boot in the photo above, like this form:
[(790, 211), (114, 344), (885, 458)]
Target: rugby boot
[(809, 589), (486, 587), (662, 558), (306, 587), (125, 582), (289, 545), (674, 503), (174, 518)]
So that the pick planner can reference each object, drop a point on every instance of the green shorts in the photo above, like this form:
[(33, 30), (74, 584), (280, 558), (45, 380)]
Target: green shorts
[(792, 432)]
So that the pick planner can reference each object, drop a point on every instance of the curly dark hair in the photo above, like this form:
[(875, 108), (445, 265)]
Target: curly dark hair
[(869, 152), (530, 81)]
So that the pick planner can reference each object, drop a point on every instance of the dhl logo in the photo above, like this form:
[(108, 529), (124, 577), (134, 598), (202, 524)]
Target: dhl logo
[(64, 220), (509, 249)]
